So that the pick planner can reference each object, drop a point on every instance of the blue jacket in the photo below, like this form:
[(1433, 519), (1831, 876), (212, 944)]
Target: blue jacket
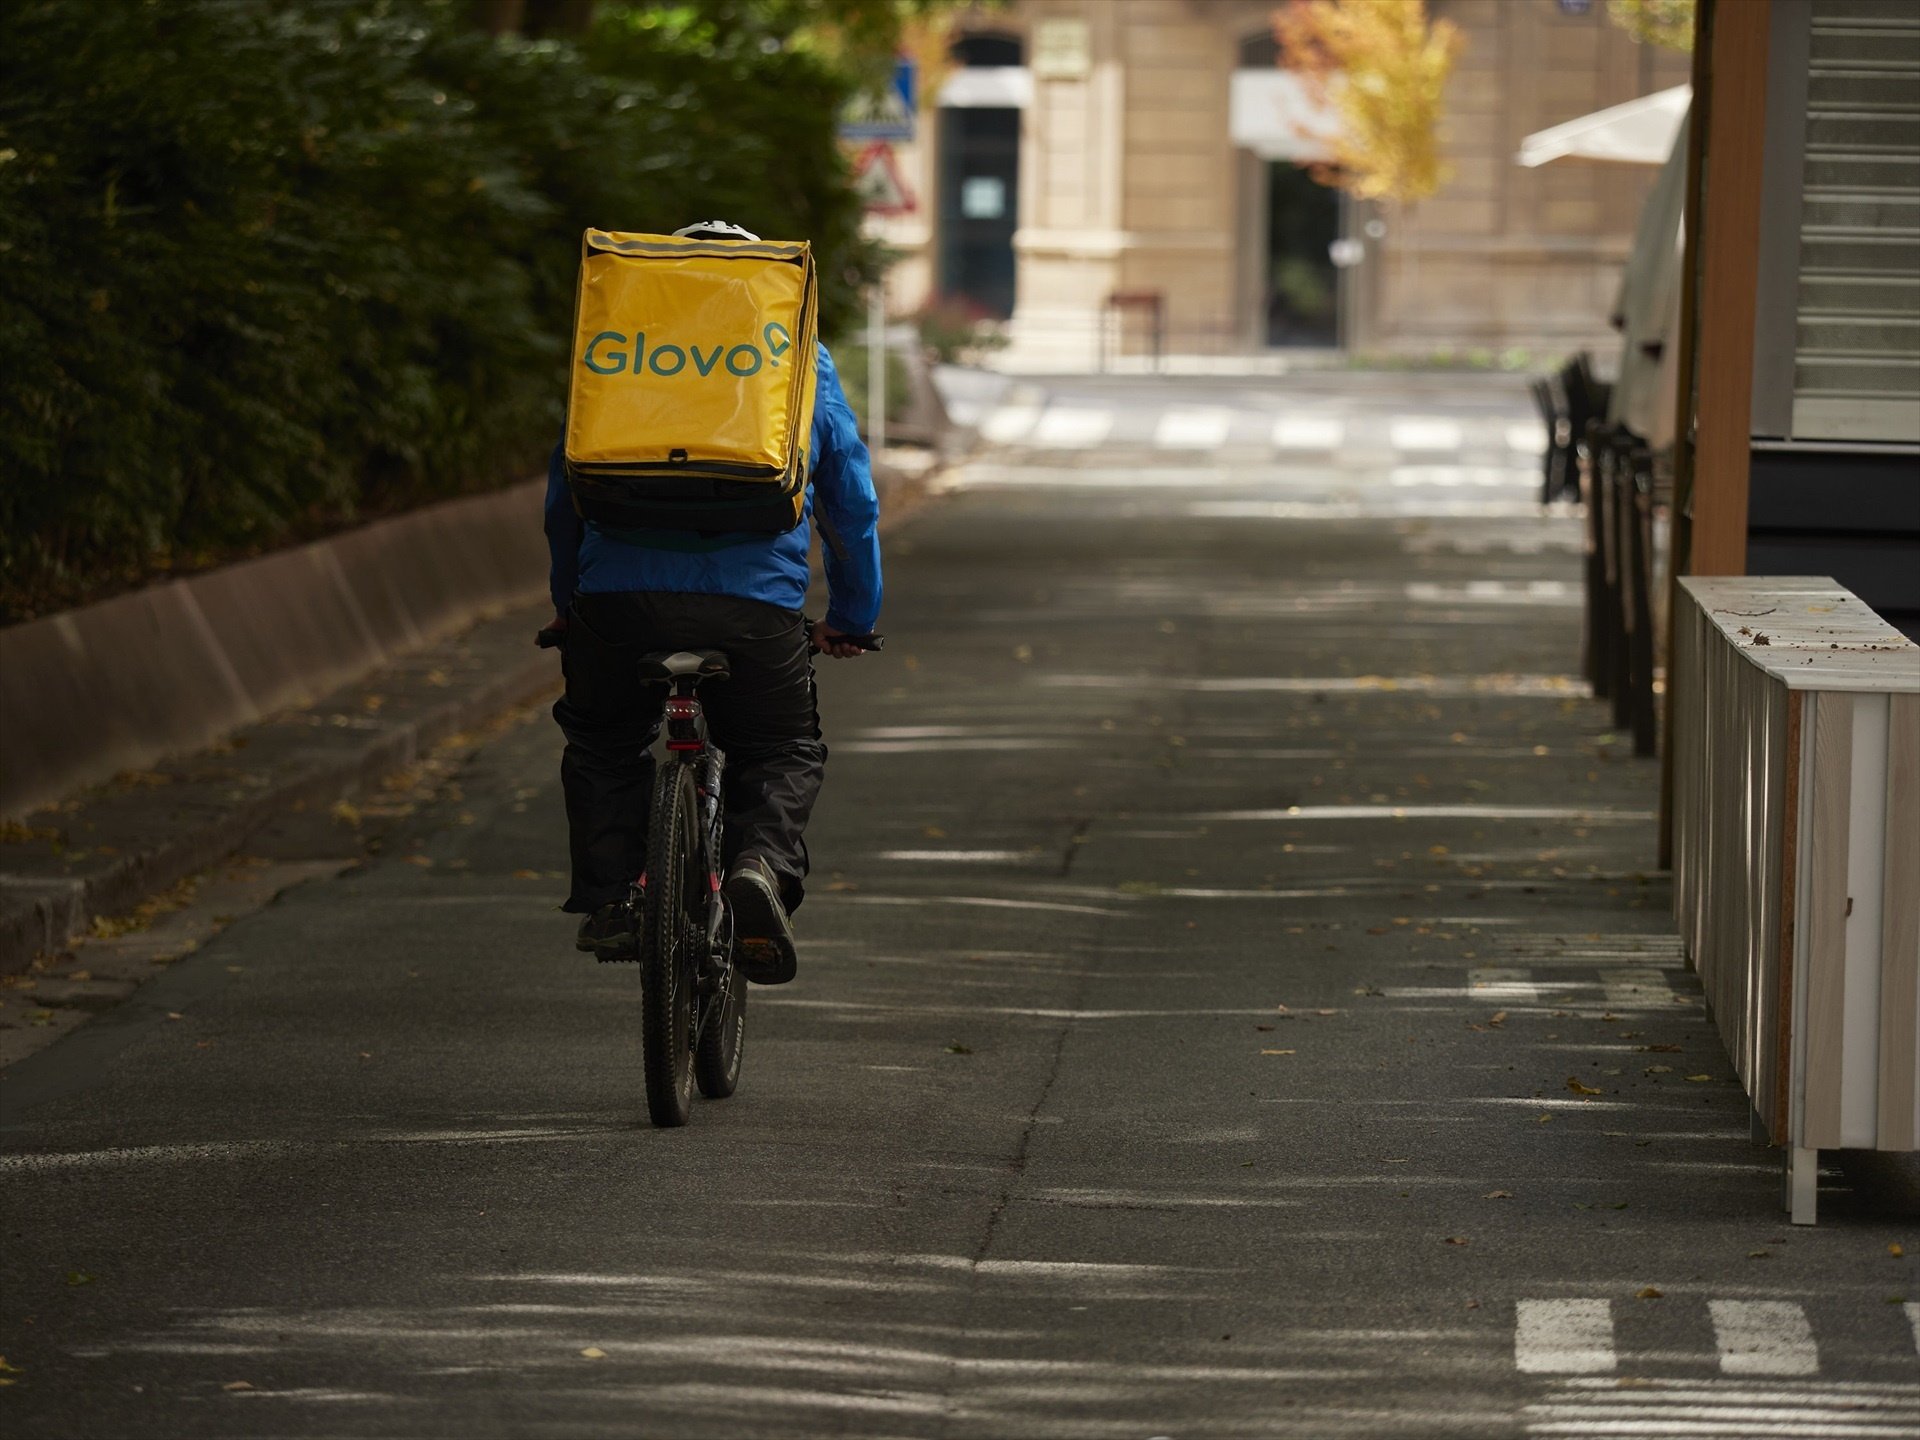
[(772, 568)]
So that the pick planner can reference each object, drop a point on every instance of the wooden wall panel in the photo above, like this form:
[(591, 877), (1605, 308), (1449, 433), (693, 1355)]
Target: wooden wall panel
[(1826, 910), (1900, 928)]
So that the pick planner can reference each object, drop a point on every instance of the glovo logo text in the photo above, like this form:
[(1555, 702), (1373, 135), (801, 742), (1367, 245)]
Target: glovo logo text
[(613, 353)]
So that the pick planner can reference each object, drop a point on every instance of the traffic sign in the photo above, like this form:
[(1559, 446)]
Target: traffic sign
[(888, 115), (876, 180)]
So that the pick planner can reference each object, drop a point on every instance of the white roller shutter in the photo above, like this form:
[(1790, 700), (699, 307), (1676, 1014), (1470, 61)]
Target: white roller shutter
[(1857, 333)]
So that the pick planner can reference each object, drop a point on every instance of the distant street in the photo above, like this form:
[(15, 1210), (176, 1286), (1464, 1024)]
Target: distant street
[(1235, 1000)]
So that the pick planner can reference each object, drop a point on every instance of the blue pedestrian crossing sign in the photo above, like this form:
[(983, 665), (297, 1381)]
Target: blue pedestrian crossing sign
[(888, 115)]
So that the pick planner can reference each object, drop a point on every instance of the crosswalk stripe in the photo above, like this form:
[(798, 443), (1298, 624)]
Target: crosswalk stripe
[(1913, 1321), (1501, 985), (1069, 428), (1763, 1337), (1529, 438), (1739, 1410), (1563, 1337), (1426, 432), (1307, 432), (1009, 423), (1193, 428)]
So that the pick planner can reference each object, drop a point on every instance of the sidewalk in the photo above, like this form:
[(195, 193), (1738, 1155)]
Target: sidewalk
[(100, 853)]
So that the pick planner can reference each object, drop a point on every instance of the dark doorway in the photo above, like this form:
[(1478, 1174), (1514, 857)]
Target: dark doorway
[(980, 188), (1302, 284)]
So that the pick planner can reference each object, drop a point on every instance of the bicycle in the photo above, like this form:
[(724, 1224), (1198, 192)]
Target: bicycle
[(693, 996)]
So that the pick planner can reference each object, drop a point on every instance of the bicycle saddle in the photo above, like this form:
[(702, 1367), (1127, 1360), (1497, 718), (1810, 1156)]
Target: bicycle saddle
[(669, 664)]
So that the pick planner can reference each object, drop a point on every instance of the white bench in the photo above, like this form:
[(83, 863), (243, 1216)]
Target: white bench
[(1796, 806)]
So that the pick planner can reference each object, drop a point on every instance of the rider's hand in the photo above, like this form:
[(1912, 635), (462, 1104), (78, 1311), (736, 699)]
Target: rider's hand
[(559, 621), (829, 642)]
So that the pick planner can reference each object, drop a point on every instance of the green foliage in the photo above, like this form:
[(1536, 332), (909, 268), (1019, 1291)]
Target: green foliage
[(266, 268), (1667, 23)]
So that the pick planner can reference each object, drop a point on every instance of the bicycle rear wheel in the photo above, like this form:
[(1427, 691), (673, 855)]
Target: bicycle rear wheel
[(723, 1035), (672, 932)]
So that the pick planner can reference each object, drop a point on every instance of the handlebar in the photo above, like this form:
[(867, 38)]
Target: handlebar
[(868, 642), (551, 639)]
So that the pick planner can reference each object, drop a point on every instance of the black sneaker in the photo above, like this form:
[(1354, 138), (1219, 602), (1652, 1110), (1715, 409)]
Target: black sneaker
[(608, 933), (762, 934)]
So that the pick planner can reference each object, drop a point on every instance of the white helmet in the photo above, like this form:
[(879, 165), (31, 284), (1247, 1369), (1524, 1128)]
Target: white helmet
[(713, 230)]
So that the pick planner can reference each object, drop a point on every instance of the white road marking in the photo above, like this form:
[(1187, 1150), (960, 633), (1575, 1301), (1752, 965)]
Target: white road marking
[(1193, 428), (1496, 592), (1635, 988), (1307, 432), (1009, 423), (1763, 1337), (1425, 432), (1913, 1321), (1454, 477), (1067, 428), (1501, 986), (1529, 437), (1738, 1410), (1563, 1337), (1430, 812)]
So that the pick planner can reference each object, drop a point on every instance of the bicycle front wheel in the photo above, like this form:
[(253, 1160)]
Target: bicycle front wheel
[(673, 933)]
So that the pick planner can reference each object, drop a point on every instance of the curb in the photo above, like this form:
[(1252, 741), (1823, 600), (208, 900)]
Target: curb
[(44, 917)]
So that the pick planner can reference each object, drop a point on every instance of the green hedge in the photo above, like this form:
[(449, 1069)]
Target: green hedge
[(268, 266)]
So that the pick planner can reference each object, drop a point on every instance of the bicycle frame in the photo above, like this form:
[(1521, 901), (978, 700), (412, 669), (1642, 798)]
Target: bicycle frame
[(689, 744)]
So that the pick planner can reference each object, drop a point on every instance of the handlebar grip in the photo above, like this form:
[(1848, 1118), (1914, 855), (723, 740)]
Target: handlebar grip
[(867, 642), (550, 639)]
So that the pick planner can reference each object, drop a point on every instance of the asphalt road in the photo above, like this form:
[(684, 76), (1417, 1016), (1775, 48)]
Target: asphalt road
[(1234, 1001)]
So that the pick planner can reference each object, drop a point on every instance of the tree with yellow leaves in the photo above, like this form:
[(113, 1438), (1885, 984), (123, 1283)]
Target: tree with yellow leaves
[(1382, 66)]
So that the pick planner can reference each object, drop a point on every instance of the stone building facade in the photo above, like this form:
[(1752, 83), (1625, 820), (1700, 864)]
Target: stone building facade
[(1150, 148)]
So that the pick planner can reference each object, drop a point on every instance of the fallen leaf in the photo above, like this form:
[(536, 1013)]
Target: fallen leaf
[(526, 874), (1498, 1195), (236, 1385), (1659, 1049), (1659, 1069), (346, 814), (1699, 1079), (593, 1352), (1758, 1254), (1263, 1027), (933, 832), (1896, 1249), (1458, 1240), (79, 1277), (1573, 1084), (1499, 1017), (1648, 1293), (425, 862), (954, 1047), (1277, 1052), (1546, 1119), (1023, 653)]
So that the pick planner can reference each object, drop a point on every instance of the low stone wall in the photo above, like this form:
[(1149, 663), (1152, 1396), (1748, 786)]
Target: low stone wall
[(171, 668)]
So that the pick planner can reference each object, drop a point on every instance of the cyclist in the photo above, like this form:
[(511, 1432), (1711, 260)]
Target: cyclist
[(617, 598)]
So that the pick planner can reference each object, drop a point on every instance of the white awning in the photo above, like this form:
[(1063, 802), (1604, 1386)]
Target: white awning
[(1272, 113), (988, 87), (1639, 132)]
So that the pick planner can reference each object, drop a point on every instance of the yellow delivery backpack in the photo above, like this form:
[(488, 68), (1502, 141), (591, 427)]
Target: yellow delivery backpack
[(691, 400)]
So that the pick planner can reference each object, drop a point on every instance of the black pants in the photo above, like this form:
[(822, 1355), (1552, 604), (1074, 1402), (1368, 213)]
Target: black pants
[(764, 717)]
